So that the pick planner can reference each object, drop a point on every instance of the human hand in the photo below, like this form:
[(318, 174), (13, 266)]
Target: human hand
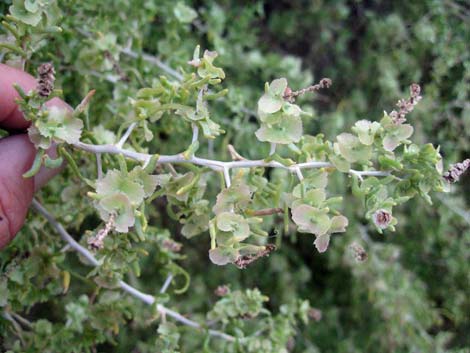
[(17, 154)]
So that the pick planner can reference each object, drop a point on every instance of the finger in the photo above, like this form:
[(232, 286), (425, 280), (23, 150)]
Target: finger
[(16, 192), (10, 116), (17, 154)]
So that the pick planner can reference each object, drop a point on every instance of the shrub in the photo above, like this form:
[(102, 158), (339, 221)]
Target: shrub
[(178, 161)]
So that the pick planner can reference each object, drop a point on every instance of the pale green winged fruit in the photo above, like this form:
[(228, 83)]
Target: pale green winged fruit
[(56, 124)]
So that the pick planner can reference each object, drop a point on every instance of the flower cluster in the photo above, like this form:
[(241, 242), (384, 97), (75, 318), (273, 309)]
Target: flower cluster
[(406, 106), (290, 95), (46, 79), (382, 218), (97, 241), (456, 170)]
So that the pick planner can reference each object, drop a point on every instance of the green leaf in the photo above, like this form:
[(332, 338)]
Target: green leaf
[(116, 182), (206, 68), (210, 129), (366, 131), (315, 180), (19, 10), (234, 223), (352, 149), (147, 181), (194, 225), (340, 163), (223, 255), (184, 13), (268, 104), (236, 197), (270, 118), (104, 136), (277, 87), (396, 136), (312, 197), (311, 219), (321, 242), (120, 205), (338, 224), (388, 163), (77, 313), (52, 163), (60, 125), (36, 166), (288, 130)]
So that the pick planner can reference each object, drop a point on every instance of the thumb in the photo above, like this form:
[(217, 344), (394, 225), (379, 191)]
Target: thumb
[(16, 156)]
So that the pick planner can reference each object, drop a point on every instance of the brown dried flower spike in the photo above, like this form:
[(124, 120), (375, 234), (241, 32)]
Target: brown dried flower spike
[(46, 79), (97, 242), (244, 261), (456, 170), (406, 106), (290, 95)]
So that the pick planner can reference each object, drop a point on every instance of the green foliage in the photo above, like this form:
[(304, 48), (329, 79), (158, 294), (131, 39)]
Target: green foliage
[(161, 204)]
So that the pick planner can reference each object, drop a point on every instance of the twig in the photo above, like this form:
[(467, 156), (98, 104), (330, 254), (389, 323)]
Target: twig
[(272, 149), (126, 135), (146, 57), (166, 284), (267, 212), (227, 177), (22, 320), (15, 324), (172, 169), (146, 298), (195, 133), (290, 95), (359, 176), (153, 60), (215, 164), (299, 173), (65, 248), (234, 154)]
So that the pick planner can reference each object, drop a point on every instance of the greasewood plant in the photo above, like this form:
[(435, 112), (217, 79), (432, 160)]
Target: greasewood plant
[(386, 169)]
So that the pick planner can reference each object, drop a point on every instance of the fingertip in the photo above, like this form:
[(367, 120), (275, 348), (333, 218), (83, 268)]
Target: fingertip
[(10, 116)]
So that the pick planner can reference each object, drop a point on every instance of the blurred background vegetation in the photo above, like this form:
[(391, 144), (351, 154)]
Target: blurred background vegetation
[(412, 294)]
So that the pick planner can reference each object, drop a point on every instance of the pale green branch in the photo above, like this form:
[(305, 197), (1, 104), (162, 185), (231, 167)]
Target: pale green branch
[(146, 298)]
